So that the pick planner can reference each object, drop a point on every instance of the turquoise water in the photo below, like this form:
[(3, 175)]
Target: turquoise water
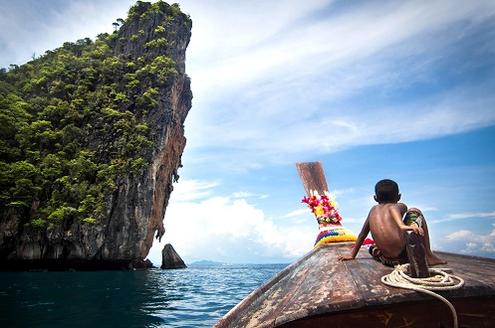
[(193, 297)]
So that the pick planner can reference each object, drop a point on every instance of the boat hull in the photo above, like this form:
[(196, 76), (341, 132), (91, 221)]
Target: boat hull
[(475, 312), (321, 291)]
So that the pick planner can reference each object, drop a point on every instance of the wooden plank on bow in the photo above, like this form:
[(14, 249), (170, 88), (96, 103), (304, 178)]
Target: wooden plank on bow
[(312, 177)]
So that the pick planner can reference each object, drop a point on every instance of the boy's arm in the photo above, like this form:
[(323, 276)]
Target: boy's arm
[(362, 236), (404, 227)]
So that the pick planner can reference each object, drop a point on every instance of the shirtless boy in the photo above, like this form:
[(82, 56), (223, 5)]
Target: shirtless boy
[(388, 229)]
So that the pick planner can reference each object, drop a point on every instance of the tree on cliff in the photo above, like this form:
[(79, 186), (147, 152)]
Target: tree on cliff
[(75, 120), (91, 138)]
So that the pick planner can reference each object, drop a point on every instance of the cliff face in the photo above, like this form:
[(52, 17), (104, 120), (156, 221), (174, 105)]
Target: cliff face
[(134, 205)]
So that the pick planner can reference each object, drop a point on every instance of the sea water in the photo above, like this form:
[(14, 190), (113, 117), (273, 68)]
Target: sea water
[(192, 297)]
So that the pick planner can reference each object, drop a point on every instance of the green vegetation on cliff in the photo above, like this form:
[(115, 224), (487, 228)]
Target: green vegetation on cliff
[(73, 123)]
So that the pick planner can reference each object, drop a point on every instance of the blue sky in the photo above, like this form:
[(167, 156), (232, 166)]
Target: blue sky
[(380, 89)]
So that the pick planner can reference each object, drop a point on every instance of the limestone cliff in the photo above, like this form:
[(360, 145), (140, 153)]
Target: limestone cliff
[(121, 232)]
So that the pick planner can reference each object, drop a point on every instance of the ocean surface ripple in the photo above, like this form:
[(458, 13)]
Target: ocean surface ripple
[(192, 297)]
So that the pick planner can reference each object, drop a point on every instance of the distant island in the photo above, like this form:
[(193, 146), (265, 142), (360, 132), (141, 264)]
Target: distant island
[(205, 263)]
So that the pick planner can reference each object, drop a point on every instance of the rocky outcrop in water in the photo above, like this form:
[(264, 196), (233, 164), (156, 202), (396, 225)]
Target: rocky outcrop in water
[(170, 258), (156, 35)]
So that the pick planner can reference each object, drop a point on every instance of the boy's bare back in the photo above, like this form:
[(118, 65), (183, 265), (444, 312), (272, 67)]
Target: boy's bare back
[(385, 223), (385, 227)]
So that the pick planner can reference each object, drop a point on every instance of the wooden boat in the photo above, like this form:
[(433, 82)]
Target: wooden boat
[(320, 291)]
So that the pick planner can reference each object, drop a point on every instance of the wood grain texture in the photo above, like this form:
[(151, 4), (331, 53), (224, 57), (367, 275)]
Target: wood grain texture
[(312, 177), (472, 313), (417, 255), (319, 289)]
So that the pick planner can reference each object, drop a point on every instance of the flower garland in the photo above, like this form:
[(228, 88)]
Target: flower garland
[(324, 207)]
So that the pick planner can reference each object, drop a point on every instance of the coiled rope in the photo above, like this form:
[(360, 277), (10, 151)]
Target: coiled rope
[(439, 280)]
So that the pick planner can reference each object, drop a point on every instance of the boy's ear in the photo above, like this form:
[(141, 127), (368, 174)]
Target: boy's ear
[(398, 197)]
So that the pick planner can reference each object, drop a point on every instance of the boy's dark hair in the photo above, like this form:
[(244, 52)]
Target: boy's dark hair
[(386, 190)]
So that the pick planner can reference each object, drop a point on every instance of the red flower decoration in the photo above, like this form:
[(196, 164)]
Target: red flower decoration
[(324, 208)]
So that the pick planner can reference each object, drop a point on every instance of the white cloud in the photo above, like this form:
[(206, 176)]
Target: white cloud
[(461, 234), (466, 215), (229, 228), (489, 247), (344, 191), (285, 139), (246, 194), (189, 190), (353, 220), (33, 27), (284, 92), (297, 213), (426, 208), (474, 243), (235, 41), (310, 45), (470, 248)]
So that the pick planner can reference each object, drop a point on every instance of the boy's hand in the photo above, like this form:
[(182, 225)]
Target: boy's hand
[(416, 229), (345, 257)]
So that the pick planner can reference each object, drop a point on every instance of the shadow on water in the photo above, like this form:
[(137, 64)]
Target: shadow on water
[(194, 297)]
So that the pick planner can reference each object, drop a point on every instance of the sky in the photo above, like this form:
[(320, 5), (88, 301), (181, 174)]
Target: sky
[(372, 89)]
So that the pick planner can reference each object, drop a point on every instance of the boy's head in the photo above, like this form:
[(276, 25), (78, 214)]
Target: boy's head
[(387, 191)]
